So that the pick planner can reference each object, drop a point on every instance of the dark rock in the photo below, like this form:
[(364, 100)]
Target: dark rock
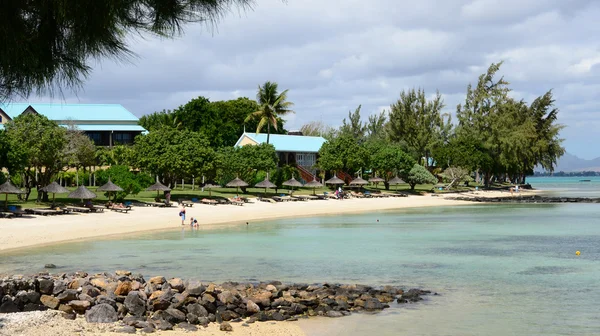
[(80, 306), (187, 326), (67, 295), (212, 317), (49, 266), (177, 284), (252, 307), (102, 313), (126, 330), (148, 330), (134, 304), (333, 313), (85, 297), (69, 316), (105, 299), (225, 326), (46, 286), (191, 318), (373, 304), (195, 288), (177, 316), (277, 316), (163, 325), (9, 306), (90, 291), (66, 309), (132, 320), (59, 287), (34, 307), (227, 315), (204, 321), (197, 310)]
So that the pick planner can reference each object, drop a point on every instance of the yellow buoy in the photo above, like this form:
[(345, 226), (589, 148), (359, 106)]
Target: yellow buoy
[(577, 253)]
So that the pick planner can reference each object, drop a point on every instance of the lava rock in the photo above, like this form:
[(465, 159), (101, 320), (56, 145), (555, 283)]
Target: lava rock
[(225, 326), (102, 313), (134, 304)]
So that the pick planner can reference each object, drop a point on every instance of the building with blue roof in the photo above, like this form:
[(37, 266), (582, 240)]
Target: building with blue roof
[(105, 124), (295, 149)]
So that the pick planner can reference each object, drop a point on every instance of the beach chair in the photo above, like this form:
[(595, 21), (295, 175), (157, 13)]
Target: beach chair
[(209, 201), (301, 197), (120, 209), (186, 203), (195, 200), (6, 214), (15, 211), (79, 209), (236, 201)]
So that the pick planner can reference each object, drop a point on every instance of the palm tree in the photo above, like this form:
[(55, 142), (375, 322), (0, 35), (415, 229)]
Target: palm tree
[(271, 105)]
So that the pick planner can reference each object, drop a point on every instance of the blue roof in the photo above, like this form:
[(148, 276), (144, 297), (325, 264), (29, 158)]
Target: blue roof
[(108, 127), (289, 143), (91, 112)]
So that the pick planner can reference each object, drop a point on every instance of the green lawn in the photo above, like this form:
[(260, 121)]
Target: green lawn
[(188, 193)]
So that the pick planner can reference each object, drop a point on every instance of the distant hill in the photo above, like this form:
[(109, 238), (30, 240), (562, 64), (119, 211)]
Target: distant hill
[(571, 163)]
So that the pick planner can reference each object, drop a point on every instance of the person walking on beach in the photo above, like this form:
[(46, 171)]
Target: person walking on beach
[(182, 215)]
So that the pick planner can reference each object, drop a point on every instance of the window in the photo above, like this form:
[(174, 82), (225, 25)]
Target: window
[(0, 119), (95, 136), (122, 138)]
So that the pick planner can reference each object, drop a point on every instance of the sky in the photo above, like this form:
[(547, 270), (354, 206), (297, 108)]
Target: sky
[(336, 55)]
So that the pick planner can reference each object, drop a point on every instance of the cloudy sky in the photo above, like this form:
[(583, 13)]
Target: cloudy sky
[(335, 55)]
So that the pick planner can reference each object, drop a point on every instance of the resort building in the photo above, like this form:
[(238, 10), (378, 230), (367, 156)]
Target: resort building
[(105, 124), (291, 149)]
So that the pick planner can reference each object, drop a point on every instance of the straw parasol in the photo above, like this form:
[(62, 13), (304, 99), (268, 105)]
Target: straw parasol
[(82, 193), (334, 180), (358, 181), (376, 180), (237, 183), (395, 181), (210, 186), (313, 184), (265, 184), (54, 188), (110, 187), (8, 188), (292, 183), (158, 187)]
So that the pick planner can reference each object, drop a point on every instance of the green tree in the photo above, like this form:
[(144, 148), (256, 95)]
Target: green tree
[(317, 128), (172, 154), (271, 104), (375, 127), (342, 153), (417, 121), (354, 127), (156, 120), (245, 162), (126, 179), (41, 143), (13, 155), (80, 151), (455, 175), (50, 44), (388, 159), (419, 175)]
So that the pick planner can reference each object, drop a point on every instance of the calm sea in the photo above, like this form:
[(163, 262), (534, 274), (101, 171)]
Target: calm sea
[(499, 270), (567, 186)]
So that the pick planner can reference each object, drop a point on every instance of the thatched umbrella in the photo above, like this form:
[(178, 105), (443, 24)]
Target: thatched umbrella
[(110, 187), (8, 188), (82, 193), (158, 187), (292, 183), (359, 182), (209, 187), (395, 181), (334, 180), (54, 188), (237, 183), (313, 184), (265, 184), (376, 180)]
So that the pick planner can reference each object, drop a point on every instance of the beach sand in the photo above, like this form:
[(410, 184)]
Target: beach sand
[(32, 231), (52, 323)]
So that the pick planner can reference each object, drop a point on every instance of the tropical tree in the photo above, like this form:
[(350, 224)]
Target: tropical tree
[(342, 153), (419, 175), (271, 104), (124, 178), (418, 122), (48, 45), (387, 159)]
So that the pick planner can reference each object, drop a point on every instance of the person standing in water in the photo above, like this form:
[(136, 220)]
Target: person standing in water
[(182, 215)]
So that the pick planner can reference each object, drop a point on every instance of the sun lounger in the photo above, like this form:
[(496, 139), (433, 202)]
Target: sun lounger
[(236, 201), (159, 204), (209, 201), (6, 214), (79, 209), (15, 211), (97, 208), (301, 197), (120, 209), (267, 199), (186, 203), (45, 212)]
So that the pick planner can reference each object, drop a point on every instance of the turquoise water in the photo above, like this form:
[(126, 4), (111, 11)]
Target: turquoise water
[(567, 186), (500, 270)]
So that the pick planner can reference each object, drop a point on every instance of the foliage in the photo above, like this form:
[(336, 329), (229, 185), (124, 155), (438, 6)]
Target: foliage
[(271, 104), (388, 159), (375, 127), (342, 153), (156, 120), (171, 154), (12, 154), (41, 143), (49, 44), (354, 128), (317, 128), (454, 175), (419, 175), (80, 150), (512, 136), (283, 174), (417, 121), (245, 162), (123, 177)]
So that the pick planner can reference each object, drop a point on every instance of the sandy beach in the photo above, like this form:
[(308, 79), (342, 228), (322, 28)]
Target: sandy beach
[(32, 231)]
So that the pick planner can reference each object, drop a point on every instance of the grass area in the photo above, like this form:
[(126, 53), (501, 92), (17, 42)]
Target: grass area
[(188, 193)]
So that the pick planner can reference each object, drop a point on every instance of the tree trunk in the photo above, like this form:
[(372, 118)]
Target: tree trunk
[(386, 185), (412, 186), (268, 131)]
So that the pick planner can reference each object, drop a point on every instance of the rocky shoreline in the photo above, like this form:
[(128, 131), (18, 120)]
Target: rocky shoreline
[(161, 304), (527, 199)]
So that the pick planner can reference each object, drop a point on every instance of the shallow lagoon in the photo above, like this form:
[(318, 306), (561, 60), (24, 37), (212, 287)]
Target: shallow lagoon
[(500, 269)]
